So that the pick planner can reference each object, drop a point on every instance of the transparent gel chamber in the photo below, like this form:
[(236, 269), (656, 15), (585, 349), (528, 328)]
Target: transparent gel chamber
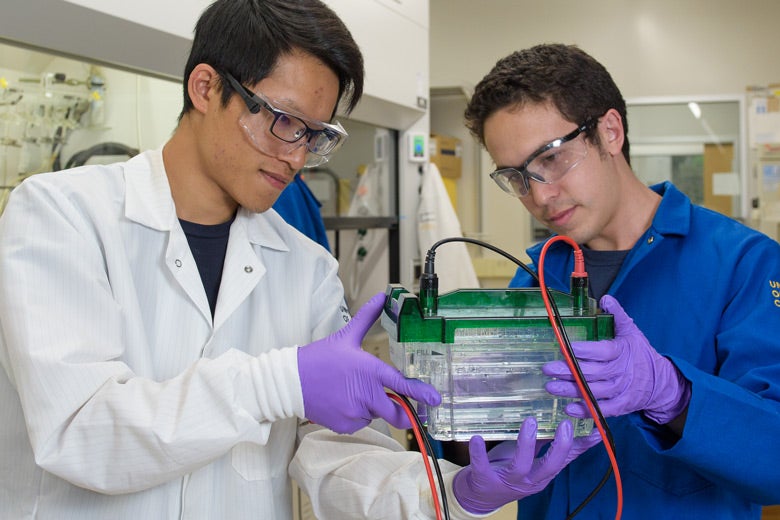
[(484, 351)]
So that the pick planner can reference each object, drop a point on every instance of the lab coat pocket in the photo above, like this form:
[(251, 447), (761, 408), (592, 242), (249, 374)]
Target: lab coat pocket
[(251, 461), (269, 457)]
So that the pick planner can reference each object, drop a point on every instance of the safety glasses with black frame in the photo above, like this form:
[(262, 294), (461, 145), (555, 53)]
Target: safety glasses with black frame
[(321, 139), (548, 164)]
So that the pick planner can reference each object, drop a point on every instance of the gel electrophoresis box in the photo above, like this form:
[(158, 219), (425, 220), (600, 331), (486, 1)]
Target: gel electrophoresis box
[(483, 350)]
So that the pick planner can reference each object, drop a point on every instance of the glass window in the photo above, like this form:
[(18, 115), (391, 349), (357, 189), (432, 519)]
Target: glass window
[(695, 144), (59, 112)]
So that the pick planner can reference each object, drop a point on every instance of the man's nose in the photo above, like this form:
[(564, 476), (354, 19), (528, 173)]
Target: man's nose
[(542, 193), (295, 155)]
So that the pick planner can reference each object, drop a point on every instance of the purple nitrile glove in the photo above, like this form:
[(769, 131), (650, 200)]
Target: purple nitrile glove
[(625, 374), (344, 386), (511, 470)]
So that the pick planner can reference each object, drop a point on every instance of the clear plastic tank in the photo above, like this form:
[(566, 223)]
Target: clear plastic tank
[(486, 359)]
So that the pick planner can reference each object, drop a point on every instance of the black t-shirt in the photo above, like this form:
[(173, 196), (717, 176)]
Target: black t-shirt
[(602, 267), (208, 244)]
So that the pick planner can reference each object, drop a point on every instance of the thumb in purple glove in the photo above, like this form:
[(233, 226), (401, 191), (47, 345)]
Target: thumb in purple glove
[(625, 374), (343, 386), (504, 475)]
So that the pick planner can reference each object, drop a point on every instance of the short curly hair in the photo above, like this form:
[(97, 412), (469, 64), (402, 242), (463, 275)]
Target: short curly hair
[(577, 85)]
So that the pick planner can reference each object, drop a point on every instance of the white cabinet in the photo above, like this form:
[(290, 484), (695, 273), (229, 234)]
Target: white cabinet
[(100, 35), (393, 36)]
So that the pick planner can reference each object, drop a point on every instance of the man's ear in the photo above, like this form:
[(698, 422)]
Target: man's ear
[(204, 87), (612, 132)]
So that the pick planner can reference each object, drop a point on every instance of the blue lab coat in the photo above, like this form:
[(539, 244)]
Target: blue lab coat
[(705, 290), (300, 208)]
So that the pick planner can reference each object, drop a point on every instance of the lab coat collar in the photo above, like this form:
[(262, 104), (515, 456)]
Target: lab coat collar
[(149, 202), (148, 199), (260, 229), (673, 216)]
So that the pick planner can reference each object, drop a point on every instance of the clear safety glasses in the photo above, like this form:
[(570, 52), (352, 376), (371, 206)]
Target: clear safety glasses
[(548, 164), (320, 138)]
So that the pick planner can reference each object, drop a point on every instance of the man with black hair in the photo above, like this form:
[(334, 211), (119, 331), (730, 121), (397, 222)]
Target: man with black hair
[(163, 334)]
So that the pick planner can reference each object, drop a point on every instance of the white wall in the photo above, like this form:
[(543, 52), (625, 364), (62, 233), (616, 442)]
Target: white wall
[(653, 48)]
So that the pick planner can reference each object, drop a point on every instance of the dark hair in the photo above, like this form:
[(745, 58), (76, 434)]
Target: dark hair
[(247, 37), (577, 85)]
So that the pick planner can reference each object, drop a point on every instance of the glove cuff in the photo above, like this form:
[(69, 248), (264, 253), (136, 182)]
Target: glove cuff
[(676, 396)]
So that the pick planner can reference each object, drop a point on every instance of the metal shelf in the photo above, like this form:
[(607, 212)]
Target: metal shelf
[(338, 224)]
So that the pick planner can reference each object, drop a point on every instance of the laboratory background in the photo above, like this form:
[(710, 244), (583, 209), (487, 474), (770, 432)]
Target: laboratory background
[(91, 81)]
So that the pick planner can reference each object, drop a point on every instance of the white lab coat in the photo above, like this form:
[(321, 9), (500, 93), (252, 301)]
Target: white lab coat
[(121, 399), (368, 475), (136, 404)]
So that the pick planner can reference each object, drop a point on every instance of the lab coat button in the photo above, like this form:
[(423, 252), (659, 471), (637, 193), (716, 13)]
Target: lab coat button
[(248, 269), (177, 262)]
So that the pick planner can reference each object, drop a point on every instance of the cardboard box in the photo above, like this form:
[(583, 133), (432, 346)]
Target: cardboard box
[(445, 153)]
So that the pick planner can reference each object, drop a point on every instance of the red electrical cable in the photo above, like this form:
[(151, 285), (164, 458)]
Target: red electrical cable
[(418, 437), (579, 270)]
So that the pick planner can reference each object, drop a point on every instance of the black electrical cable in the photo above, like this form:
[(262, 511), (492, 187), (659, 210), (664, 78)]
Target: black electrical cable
[(107, 148), (429, 257), (428, 270)]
